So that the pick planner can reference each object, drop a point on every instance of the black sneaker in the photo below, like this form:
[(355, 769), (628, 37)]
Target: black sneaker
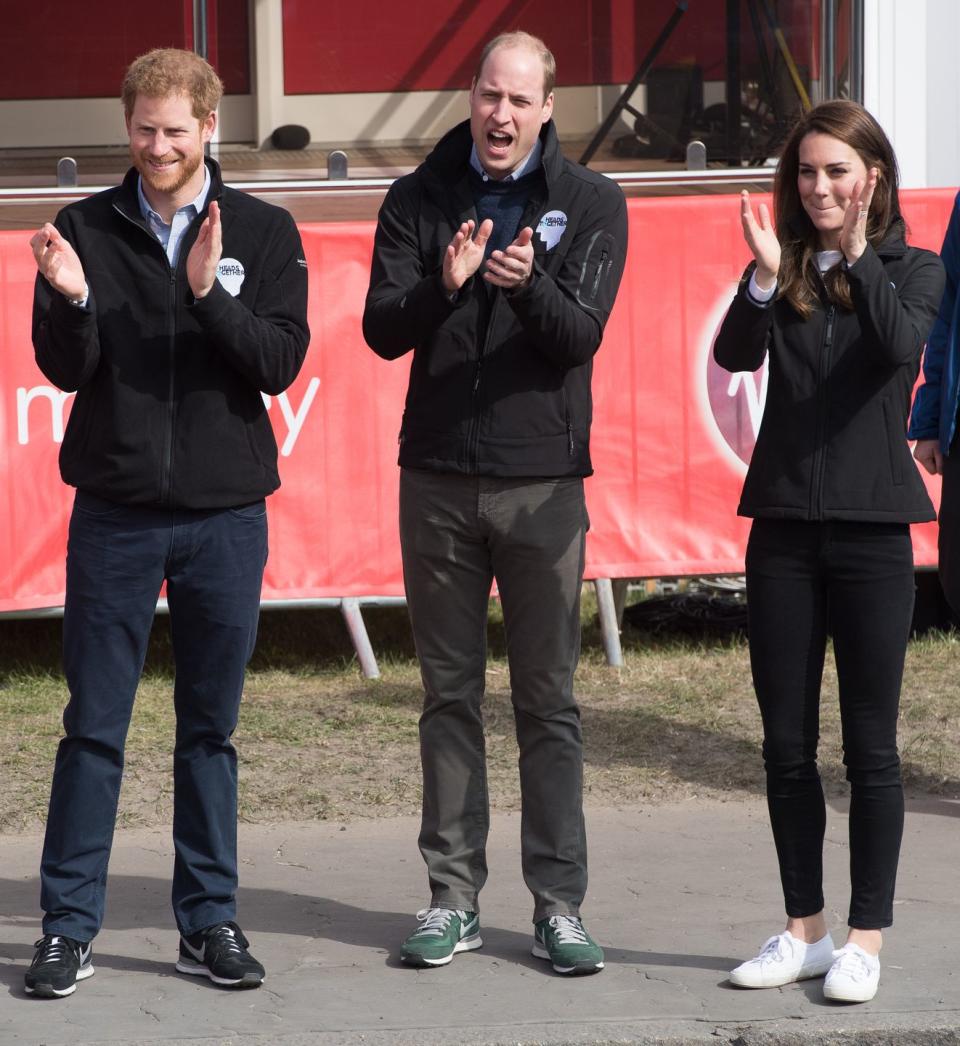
[(220, 953), (59, 963)]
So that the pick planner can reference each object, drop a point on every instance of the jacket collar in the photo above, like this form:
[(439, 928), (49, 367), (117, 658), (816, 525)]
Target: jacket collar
[(450, 158), (446, 171), (893, 245), (128, 202)]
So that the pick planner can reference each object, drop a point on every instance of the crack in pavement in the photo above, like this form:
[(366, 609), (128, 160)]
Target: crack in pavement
[(149, 1013), (278, 858)]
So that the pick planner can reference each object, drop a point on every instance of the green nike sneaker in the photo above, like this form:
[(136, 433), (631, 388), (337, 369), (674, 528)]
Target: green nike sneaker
[(563, 941), (442, 933)]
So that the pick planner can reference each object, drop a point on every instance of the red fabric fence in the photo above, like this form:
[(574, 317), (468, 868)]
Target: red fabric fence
[(670, 438)]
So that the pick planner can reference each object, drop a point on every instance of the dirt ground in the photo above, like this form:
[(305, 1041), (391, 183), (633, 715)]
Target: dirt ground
[(677, 722)]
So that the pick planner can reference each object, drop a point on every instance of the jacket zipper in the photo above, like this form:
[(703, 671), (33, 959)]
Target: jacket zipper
[(596, 278), (566, 421), (166, 464), (166, 474), (823, 415), (473, 435)]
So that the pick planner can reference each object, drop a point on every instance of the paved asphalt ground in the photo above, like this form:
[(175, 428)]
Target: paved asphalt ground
[(678, 895)]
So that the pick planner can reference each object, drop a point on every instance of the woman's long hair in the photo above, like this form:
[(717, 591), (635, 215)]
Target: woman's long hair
[(849, 122)]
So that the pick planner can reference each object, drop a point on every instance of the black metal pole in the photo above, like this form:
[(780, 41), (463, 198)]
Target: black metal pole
[(623, 102), (828, 50), (856, 50), (733, 82), (766, 69), (200, 44)]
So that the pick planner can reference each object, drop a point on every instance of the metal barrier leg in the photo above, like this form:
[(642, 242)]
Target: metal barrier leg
[(608, 621), (350, 608), (620, 588)]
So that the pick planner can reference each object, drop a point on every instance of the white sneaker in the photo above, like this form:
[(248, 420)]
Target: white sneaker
[(784, 959), (854, 975)]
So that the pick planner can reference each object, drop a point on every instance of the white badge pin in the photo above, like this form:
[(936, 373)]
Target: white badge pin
[(552, 226), (230, 273)]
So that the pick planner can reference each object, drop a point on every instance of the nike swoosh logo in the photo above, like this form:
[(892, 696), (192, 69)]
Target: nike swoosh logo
[(197, 953)]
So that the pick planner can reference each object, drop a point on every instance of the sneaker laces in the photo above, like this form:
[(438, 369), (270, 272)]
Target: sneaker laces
[(775, 950), (54, 949), (852, 963), (227, 939), (569, 929), (435, 921)]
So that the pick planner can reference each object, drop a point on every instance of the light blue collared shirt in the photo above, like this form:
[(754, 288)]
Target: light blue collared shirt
[(530, 163), (171, 235)]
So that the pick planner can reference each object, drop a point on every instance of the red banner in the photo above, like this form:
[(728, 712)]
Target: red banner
[(670, 438)]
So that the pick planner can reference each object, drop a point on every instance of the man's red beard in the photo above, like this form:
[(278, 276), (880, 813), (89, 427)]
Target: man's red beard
[(172, 181)]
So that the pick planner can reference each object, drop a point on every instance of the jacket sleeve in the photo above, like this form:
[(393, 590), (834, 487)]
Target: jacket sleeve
[(564, 317), (268, 341), (66, 339), (925, 416), (405, 304), (744, 336), (896, 320)]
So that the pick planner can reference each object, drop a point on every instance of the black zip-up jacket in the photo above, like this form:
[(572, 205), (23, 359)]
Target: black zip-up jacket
[(500, 382), (832, 444), (168, 408)]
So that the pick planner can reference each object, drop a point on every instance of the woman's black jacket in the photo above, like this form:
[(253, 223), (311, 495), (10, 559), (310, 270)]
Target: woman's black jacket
[(832, 444)]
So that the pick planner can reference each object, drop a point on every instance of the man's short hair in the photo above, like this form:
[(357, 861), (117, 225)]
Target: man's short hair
[(168, 70), (531, 43)]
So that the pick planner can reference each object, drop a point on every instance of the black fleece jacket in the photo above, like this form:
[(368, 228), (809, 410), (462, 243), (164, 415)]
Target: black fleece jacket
[(169, 408), (500, 382), (832, 444)]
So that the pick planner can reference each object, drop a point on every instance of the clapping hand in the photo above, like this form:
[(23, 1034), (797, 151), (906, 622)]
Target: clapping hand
[(512, 268), (853, 234), (762, 240), (205, 253), (58, 263), (464, 255)]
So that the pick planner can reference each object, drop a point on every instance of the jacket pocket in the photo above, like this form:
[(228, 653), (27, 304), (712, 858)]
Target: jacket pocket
[(894, 447), (596, 270), (568, 423)]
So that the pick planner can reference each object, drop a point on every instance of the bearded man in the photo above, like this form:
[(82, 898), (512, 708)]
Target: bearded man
[(169, 304)]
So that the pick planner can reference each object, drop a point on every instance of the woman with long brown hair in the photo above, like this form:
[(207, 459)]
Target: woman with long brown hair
[(840, 307)]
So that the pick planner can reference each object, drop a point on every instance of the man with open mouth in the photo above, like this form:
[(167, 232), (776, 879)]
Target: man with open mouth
[(497, 262)]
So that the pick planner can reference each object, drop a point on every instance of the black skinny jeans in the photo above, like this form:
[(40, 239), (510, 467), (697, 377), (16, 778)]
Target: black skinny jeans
[(854, 581)]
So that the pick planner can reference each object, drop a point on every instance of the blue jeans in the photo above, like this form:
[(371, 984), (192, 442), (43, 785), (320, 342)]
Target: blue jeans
[(117, 558)]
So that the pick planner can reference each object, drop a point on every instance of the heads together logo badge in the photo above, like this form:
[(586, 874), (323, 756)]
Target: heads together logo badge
[(735, 401), (230, 273), (552, 226)]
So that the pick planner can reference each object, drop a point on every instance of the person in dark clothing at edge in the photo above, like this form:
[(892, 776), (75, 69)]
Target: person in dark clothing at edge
[(497, 261), (933, 420), (840, 306), (170, 304)]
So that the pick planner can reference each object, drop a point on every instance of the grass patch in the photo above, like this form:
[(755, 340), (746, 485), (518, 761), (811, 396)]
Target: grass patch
[(316, 740)]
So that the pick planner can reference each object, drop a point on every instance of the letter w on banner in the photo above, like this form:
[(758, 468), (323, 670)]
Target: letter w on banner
[(671, 439)]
